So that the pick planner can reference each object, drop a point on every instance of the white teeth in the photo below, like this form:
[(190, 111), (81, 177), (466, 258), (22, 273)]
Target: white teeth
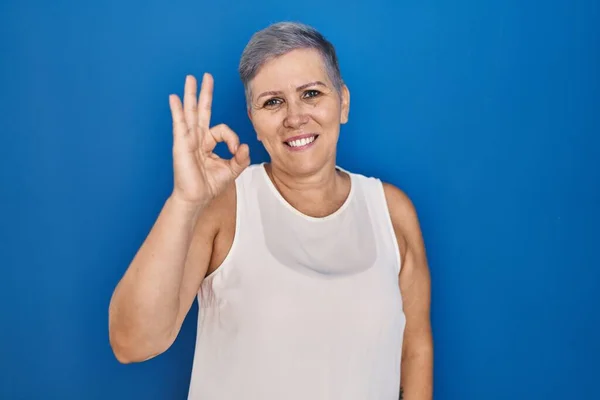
[(301, 142)]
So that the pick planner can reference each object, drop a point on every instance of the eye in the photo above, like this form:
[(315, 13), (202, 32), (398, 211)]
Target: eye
[(311, 93), (272, 102)]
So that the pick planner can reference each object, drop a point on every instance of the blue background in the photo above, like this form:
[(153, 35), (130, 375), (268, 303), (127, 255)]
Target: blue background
[(485, 113)]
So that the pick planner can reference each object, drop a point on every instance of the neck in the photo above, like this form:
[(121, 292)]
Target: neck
[(318, 194)]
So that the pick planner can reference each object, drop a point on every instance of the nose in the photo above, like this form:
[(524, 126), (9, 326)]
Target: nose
[(296, 116)]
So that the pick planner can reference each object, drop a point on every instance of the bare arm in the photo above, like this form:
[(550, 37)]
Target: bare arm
[(156, 292), (415, 286), (152, 299)]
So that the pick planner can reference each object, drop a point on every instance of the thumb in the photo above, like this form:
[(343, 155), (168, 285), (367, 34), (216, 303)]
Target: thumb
[(240, 160)]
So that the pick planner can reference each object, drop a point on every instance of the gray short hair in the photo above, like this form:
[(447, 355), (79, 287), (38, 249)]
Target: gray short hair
[(279, 39)]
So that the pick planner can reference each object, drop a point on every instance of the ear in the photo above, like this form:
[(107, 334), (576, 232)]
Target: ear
[(345, 110)]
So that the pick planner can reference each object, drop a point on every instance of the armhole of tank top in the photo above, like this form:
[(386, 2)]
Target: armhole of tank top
[(236, 231), (390, 225)]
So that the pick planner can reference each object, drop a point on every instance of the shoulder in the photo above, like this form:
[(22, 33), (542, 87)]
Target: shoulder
[(400, 206), (223, 207), (220, 215), (210, 221), (405, 220)]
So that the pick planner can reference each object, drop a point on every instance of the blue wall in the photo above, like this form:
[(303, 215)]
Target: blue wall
[(486, 114)]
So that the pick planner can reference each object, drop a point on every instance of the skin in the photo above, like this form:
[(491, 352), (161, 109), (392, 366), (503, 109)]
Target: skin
[(415, 286), (291, 95)]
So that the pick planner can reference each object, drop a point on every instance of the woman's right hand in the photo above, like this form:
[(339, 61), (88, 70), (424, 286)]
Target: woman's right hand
[(199, 174)]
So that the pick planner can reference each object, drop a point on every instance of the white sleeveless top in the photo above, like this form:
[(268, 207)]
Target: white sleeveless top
[(302, 308)]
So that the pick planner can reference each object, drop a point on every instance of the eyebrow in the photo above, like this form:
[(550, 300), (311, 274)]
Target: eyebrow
[(299, 88)]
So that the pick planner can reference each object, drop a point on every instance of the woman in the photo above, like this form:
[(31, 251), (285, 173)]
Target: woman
[(312, 281)]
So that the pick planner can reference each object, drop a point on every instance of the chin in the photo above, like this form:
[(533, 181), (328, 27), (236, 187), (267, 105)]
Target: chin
[(304, 158), (304, 166)]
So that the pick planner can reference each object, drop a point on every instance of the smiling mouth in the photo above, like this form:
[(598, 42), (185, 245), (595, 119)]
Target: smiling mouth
[(301, 143)]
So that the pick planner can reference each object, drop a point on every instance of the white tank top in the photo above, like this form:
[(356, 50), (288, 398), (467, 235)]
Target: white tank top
[(302, 308)]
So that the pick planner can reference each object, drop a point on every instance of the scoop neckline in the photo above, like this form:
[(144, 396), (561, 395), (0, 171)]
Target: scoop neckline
[(294, 210)]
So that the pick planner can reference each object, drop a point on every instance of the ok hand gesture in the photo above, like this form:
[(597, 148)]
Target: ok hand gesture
[(199, 174)]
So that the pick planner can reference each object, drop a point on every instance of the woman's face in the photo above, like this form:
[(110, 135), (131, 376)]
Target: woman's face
[(297, 112)]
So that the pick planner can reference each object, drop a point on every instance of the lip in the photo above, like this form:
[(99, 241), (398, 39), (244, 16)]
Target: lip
[(307, 135), (306, 146)]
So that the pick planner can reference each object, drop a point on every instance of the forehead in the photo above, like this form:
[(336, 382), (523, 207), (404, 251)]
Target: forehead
[(290, 71)]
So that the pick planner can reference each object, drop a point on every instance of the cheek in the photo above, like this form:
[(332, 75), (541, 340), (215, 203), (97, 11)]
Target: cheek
[(266, 125), (326, 115)]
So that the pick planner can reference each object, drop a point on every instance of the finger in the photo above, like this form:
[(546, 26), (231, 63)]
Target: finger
[(221, 133), (240, 160), (189, 102), (205, 101), (179, 125)]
